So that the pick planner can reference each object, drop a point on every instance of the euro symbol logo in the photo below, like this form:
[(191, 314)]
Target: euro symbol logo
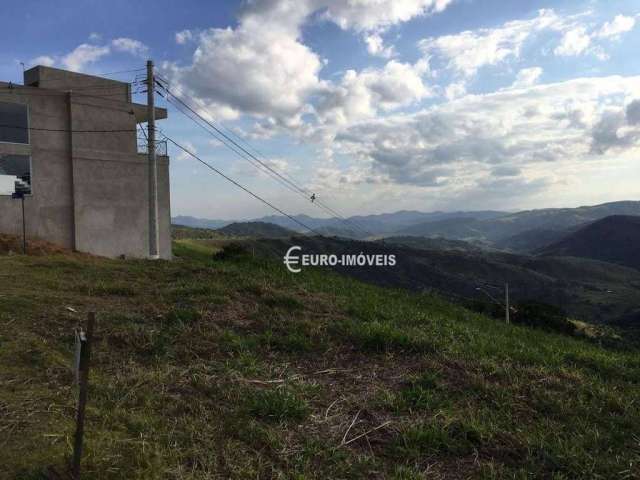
[(290, 260)]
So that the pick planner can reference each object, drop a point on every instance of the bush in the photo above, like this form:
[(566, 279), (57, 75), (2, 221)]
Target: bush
[(231, 250), (490, 309), (530, 313), (542, 315)]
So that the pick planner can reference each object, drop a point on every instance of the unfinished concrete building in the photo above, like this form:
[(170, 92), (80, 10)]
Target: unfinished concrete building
[(69, 141)]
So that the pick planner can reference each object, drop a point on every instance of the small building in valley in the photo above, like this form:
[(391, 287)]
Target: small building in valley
[(68, 141)]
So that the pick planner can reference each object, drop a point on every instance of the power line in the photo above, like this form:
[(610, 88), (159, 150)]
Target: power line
[(287, 182), (256, 196), (244, 154), (225, 136), (115, 73), (231, 147), (18, 127), (241, 140), (75, 94)]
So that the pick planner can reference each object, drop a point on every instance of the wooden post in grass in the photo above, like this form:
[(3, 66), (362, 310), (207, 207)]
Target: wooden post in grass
[(506, 301), (83, 354)]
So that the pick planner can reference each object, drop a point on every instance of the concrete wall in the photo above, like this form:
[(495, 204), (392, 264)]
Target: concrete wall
[(49, 213), (56, 79), (90, 190)]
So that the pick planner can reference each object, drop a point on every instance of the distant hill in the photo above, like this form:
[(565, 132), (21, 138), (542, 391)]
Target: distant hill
[(342, 232), (532, 240), (427, 243), (255, 230), (522, 231), (557, 218), (194, 222), (380, 224), (180, 232), (460, 228), (614, 239)]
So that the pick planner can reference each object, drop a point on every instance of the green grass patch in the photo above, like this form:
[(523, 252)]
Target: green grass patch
[(277, 405)]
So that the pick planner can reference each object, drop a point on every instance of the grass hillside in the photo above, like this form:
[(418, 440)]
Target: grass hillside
[(180, 232), (255, 229), (585, 289), (210, 368)]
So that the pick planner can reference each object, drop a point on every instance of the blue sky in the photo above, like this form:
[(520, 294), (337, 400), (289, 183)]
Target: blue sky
[(377, 105)]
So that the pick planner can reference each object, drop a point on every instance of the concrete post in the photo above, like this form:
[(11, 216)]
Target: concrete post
[(154, 234)]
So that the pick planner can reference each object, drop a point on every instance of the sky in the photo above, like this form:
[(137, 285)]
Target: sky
[(373, 105)]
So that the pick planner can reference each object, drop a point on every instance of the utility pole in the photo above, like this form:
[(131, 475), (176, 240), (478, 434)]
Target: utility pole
[(154, 237), (506, 301)]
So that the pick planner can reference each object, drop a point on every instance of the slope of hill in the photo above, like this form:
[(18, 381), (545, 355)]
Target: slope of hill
[(236, 369), (180, 231), (194, 222), (256, 230), (587, 289), (430, 243), (531, 240), (462, 228), (614, 239)]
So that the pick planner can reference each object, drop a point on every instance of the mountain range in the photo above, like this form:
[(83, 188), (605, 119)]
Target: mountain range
[(525, 231)]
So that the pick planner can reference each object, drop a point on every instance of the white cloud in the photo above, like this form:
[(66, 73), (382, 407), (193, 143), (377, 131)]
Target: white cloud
[(45, 60), (261, 67), (367, 15), (527, 77), (182, 155), (468, 51), (83, 55), (362, 95), (373, 17), (253, 69), (376, 47), (455, 90), (580, 40), (462, 145), (246, 169), (620, 24), (129, 45), (633, 112), (95, 37), (574, 42), (184, 37), (86, 54), (472, 145)]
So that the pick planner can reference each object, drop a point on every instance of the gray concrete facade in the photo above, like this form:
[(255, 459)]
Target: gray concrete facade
[(89, 189)]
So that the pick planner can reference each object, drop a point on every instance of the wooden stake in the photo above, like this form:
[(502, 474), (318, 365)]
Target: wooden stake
[(506, 301), (83, 376)]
